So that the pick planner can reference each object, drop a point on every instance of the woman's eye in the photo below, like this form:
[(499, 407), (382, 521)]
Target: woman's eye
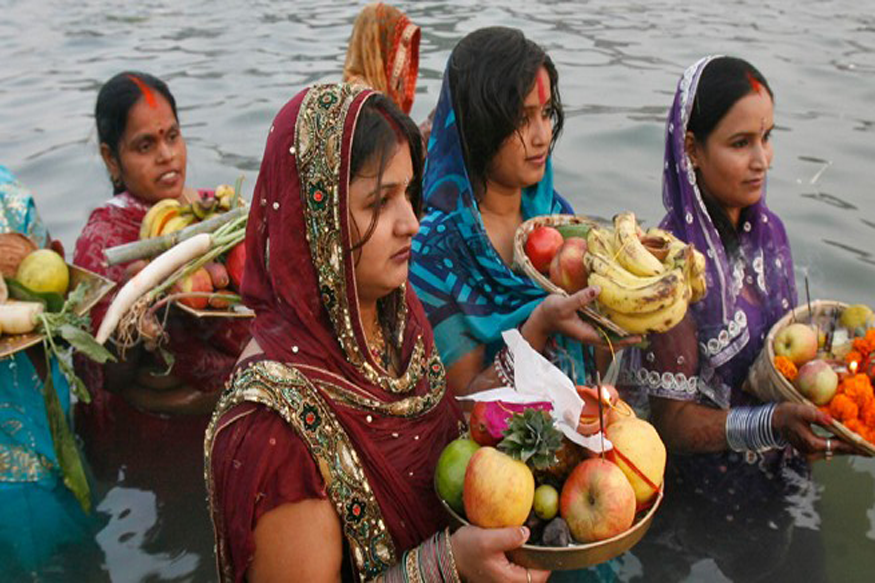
[(740, 143), (143, 147), (767, 136)]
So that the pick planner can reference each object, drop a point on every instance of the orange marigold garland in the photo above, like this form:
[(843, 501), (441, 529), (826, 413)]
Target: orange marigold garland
[(786, 367), (854, 405)]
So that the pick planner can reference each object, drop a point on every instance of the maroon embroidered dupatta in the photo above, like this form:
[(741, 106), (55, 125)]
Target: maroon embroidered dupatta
[(300, 281)]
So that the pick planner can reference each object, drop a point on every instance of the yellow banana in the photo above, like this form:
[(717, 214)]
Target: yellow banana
[(600, 242), (164, 216), (157, 209), (700, 264), (658, 321), (653, 297), (631, 253), (596, 263), (176, 224), (698, 287)]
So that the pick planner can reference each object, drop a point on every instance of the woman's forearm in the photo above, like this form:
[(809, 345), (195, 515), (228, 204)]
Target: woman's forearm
[(688, 427)]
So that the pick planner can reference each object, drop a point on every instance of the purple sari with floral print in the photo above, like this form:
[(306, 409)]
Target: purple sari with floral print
[(707, 357), (747, 293)]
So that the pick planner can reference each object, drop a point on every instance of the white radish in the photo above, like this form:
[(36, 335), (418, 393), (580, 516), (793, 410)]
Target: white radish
[(19, 317), (149, 277)]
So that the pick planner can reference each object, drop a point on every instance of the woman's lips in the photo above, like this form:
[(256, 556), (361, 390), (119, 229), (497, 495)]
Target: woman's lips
[(169, 178), (403, 255), (537, 160)]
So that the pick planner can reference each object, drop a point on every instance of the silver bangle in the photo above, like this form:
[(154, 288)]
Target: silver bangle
[(750, 429)]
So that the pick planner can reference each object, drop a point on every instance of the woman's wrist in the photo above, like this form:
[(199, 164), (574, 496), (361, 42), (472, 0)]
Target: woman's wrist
[(533, 331), (751, 429)]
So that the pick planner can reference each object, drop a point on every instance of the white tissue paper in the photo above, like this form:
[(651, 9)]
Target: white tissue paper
[(536, 379)]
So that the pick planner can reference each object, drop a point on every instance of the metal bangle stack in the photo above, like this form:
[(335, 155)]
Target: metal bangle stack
[(750, 429)]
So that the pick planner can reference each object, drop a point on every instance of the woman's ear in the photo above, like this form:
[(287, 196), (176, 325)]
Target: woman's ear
[(112, 164), (691, 146)]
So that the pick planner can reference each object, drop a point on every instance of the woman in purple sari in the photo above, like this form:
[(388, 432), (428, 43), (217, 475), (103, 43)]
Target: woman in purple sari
[(728, 449)]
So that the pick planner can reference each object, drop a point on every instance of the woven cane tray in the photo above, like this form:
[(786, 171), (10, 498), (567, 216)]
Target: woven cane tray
[(98, 287), (767, 383)]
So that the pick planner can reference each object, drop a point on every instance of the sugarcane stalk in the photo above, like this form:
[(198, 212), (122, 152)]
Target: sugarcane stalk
[(155, 246)]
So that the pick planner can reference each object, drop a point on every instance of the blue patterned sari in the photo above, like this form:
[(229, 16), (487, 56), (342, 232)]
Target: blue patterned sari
[(37, 512), (470, 294)]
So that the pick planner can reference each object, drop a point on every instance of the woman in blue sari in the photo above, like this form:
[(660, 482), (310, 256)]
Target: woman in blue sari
[(37, 512), (488, 170)]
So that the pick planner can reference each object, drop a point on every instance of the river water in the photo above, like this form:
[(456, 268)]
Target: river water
[(232, 65)]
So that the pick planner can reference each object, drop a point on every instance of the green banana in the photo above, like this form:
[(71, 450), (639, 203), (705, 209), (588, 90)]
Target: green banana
[(574, 230)]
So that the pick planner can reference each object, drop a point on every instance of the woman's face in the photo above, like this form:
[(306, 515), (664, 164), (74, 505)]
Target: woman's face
[(732, 163), (151, 152), (382, 262), (522, 158)]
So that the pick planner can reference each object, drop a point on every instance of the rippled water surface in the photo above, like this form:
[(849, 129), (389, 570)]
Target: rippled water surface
[(232, 65)]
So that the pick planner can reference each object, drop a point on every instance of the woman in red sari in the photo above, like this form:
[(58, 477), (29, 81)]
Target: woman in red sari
[(145, 155), (320, 457)]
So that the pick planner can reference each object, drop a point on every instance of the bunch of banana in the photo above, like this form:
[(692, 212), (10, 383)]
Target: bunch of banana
[(169, 215), (639, 291), (165, 216)]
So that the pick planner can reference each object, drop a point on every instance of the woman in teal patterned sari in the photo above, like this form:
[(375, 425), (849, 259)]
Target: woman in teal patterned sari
[(37, 512), (489, 169)]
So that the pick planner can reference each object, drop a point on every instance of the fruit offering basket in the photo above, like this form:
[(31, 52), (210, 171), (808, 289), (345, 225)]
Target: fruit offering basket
[(574, 464), (775, 377), (647, 279), (97, 288), (521, 262)]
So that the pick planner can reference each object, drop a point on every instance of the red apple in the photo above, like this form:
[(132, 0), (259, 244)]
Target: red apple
[(235, 262), (567, 269), (639, 452), (798, 342), (199, 281), (597, 501), (479, 428), (817, 381), (541, 245), (498, 490)]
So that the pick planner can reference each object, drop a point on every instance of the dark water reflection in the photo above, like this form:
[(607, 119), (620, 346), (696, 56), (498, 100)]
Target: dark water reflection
[(232, 65)]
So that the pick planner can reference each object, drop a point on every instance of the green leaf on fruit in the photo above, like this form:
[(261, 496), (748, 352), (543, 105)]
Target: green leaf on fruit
[(532, 438)]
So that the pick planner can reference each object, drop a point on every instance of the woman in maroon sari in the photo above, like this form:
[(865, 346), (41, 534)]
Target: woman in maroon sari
[(320, 457), (145, 155)]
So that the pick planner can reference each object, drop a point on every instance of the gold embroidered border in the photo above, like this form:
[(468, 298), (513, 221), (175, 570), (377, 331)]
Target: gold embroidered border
[(318, 145), (288, 392)]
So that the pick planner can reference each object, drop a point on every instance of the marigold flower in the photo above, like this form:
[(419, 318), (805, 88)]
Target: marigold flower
[(843, 408), (786, 367)]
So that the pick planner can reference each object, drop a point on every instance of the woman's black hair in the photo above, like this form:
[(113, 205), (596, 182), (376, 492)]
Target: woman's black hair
[(491, 72), (380, 128), (114, 102), (722, 84)]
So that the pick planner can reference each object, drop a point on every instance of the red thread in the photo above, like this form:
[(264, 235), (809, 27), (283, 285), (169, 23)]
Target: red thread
[(144, 89)]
